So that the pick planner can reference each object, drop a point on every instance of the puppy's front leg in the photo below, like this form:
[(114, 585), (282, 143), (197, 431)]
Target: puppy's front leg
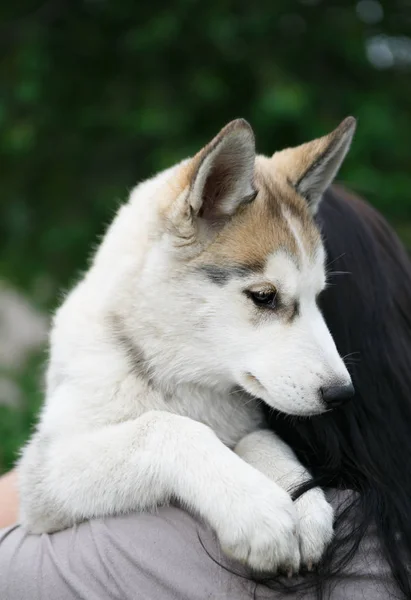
[(268, 453), (145, 462)]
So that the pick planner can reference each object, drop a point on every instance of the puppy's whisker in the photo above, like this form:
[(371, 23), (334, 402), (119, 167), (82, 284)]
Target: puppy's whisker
[(335, 259), (332, 273)]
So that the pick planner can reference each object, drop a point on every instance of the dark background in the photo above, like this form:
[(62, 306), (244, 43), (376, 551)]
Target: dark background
[(96, 95)]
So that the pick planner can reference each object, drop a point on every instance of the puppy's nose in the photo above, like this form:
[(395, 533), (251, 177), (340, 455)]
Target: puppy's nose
[(336, 395)]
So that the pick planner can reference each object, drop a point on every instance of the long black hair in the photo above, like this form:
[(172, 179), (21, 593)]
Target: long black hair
[(365, 445)]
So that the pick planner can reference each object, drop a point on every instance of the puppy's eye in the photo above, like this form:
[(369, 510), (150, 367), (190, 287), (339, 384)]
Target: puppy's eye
[(263, 298)]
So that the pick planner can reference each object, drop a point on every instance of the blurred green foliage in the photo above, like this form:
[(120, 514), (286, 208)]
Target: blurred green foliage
[(97, 95)]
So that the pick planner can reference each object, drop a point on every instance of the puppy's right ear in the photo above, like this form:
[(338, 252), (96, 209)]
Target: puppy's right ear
[(218, 179)]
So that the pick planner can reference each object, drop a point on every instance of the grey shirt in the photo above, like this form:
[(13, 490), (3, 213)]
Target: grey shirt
[(150, 557)]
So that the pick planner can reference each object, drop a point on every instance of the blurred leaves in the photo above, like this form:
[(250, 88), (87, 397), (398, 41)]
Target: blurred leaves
[(98, 95)]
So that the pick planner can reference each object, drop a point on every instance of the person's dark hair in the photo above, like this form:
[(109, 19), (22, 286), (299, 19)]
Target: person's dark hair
[(365, 445)]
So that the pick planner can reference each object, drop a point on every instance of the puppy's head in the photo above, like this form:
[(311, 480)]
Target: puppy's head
[(233, 281)]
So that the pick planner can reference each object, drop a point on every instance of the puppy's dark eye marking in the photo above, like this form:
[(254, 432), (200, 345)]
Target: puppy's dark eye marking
[(216, 274), (222, 275)]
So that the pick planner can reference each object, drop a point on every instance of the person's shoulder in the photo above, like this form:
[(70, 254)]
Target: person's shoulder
[(167, 555)]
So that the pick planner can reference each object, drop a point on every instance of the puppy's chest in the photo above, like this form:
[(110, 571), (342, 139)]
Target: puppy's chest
[(231, 416)]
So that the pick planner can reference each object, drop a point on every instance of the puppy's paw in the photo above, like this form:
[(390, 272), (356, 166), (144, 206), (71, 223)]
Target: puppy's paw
[(316, 517), (259, 528)]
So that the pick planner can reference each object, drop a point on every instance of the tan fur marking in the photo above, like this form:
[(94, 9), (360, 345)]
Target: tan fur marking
[(268, 224), (259, 229)]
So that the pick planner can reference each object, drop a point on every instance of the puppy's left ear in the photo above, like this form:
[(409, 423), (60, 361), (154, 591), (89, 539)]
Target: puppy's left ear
[(311, 167)]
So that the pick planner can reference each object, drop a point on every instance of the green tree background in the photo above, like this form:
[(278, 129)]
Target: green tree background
[(97, 95)]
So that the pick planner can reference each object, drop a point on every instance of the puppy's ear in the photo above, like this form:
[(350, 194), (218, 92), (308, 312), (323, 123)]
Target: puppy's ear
[(311, 167), (223, 174)]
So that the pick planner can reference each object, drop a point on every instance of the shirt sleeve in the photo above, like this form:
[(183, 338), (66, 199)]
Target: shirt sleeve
[(164, 556)]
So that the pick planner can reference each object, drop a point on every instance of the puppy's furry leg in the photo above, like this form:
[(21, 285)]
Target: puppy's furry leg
[(145, 462), (269, 454)]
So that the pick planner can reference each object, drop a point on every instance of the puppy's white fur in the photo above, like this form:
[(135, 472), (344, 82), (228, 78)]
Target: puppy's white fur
[(155, 362)]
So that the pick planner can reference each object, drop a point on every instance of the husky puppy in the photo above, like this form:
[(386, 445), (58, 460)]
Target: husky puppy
[(200, 302)]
